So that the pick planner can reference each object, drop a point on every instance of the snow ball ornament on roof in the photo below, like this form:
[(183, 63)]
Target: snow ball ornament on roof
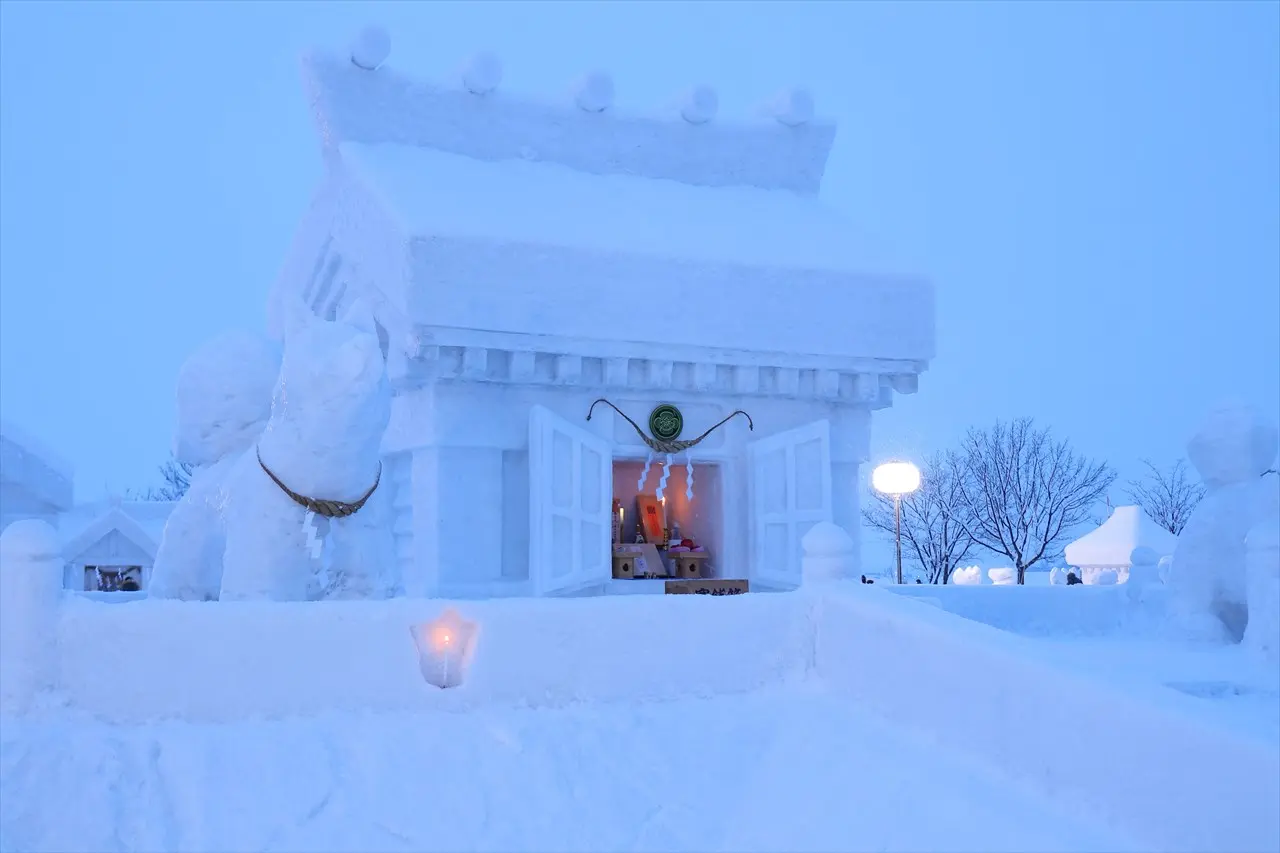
[(699, 105), (371, 47), (792, 107), (482, 73), (593, 92)]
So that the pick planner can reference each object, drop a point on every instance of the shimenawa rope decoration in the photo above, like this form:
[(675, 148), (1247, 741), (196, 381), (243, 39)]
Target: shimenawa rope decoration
[(674, 446), (326, 508)]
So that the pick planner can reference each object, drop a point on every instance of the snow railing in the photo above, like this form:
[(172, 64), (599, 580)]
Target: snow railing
[(355, 98)]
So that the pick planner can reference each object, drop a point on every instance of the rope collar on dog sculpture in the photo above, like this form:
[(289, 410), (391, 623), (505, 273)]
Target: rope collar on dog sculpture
[(327, 508)]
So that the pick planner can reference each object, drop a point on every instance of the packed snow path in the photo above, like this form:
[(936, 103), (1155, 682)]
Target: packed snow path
[(785, 769)]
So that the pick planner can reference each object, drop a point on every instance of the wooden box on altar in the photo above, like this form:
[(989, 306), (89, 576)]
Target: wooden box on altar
[(689, 563), (624, 564)]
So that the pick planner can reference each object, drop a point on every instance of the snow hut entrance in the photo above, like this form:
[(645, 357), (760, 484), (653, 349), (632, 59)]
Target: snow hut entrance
[(683, 534)]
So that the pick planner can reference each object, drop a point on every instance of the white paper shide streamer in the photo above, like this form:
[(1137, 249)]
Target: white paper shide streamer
[(644, 475), (666, 474), (688, 478)]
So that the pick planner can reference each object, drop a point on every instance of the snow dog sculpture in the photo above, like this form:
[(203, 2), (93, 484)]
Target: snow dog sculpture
[(1207, 577), (224, 402), (297, 514)]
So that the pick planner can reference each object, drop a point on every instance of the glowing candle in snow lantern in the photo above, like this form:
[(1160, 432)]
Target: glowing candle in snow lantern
[(445, 647)]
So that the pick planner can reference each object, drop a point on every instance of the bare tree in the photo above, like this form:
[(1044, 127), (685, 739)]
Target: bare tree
[(1023, 492), (177, 479), (1167, 497), (934, 537)]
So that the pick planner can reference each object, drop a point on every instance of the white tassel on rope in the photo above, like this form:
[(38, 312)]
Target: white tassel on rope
[(314, 543), (688, 477), (662, 482), (644, 475)]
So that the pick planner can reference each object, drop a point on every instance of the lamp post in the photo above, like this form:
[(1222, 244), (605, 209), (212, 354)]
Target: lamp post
[(896, 479)]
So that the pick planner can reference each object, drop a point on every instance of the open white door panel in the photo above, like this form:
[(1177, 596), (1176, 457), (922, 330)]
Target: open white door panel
[(570, 500), (790, 492)]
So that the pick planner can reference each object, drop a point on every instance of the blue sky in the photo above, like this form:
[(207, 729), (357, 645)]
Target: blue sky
[(1095, 188)]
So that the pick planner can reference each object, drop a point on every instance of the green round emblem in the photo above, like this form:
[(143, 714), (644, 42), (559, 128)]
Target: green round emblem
[(666, 423)]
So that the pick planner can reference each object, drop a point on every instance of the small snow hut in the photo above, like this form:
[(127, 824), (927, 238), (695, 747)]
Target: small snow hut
[(527, 258), (1111, 543)]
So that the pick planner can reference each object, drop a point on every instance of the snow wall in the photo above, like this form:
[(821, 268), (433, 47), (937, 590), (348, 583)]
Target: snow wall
[(1141, 760)]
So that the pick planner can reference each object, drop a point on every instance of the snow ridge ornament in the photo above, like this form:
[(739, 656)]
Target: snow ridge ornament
[(445, 646)]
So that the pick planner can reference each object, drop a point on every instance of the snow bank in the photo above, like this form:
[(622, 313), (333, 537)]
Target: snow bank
[(1143, 761), (1038, 611), (225, 660)]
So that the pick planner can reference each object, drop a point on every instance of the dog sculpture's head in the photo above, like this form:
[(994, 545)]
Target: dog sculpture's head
[(333, 374)]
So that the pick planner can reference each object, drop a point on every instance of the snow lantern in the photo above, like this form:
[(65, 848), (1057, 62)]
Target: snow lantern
[(445, 647)]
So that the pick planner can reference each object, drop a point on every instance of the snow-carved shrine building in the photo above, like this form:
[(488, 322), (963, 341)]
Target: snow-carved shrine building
[(526, 258)]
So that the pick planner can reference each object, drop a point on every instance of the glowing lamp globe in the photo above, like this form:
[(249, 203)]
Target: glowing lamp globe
[(896, 478)]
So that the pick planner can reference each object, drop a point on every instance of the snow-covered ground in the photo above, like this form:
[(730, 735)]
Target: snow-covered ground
[(780, 769), (845, 719)]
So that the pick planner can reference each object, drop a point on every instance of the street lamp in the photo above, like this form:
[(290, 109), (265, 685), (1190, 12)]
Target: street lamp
[(896, 479)]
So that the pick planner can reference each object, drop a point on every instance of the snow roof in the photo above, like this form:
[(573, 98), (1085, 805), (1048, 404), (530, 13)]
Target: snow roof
[(35, 447), (784, 147), (149, 517), (114, 518), (439, 194), (1113, 541)]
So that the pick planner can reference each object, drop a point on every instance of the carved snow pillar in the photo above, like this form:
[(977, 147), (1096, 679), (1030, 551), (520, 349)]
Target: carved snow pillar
[(828, 554), (30, 592), (850, 447)]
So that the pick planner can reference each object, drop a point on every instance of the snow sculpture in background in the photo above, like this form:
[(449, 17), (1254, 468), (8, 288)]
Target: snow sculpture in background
[(319, 453), (1262, 568), (224, 401), (1208, 590), (967, 576), (1002, 576)]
